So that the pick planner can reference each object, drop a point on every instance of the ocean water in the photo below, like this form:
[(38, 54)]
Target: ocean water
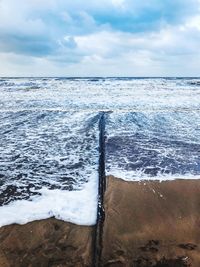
[(49, 162), (153, 145), (49, 145)]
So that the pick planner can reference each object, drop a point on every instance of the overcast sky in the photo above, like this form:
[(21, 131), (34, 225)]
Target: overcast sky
[(99, 37)]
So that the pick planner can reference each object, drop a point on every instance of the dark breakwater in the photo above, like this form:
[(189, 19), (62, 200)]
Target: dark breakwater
[(101, 191)]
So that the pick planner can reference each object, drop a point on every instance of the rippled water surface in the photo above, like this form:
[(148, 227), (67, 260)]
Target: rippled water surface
[(58, 150), (99, 94), (153, 145)]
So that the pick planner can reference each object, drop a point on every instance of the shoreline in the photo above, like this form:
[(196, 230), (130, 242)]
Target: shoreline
[(146, 224)]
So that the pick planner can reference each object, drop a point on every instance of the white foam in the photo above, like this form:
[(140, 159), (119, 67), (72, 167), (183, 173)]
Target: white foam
[(136, 176), (108, 94), (79, 207)]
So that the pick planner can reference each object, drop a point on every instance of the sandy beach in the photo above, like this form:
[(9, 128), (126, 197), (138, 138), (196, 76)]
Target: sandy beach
[(46, 243), (147, 224), (151, 223)]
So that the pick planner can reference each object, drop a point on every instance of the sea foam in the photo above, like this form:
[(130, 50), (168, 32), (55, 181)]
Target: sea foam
[(79, 207)]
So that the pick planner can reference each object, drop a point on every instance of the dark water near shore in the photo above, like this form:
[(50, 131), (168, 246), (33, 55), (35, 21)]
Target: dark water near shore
[(52, 149), (154, 145)]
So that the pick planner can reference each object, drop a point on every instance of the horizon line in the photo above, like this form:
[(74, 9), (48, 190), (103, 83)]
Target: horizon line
[(105, 77)]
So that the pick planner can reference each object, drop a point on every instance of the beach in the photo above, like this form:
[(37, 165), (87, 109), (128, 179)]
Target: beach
[(151, 223), (44, 243), (95, 172), (147, 224)]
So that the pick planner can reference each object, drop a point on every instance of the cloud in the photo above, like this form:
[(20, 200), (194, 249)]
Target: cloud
[(107, 37)]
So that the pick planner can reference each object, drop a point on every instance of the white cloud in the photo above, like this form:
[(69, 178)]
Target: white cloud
[(66, 38), (193, 23), (118, 3)]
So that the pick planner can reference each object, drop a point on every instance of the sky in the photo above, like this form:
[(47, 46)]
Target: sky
[(100, 38)]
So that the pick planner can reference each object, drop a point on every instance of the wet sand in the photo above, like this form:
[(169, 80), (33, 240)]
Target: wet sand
[(151, 224), (147, 224), (50, 242)]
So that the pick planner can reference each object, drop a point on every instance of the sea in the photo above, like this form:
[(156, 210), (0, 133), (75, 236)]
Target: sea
[(50, 140)]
